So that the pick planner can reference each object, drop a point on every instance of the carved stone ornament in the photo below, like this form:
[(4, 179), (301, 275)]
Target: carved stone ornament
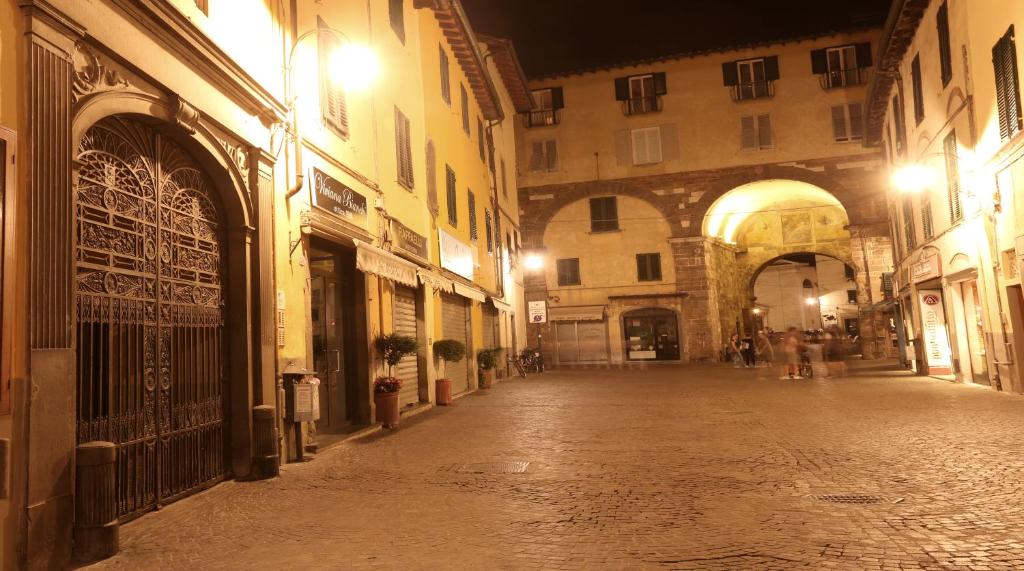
[(239, 156), (185, 115), (93, 76)]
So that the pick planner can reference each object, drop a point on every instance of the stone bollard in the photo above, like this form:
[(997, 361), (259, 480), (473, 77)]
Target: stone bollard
[(96, 525), (267, 461)]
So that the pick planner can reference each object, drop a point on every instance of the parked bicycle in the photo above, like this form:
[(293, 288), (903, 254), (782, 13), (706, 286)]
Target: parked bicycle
[(532, 360)]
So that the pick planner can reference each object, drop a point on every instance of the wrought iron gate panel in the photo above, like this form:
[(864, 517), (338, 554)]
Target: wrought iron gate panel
[(150, 313)]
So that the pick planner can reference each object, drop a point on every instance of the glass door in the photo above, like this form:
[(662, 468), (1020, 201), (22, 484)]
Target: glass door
[(975, 332), (325, 317)]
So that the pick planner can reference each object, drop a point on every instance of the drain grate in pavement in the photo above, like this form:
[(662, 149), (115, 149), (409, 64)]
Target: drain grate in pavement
[(488, 468), (856, 499)]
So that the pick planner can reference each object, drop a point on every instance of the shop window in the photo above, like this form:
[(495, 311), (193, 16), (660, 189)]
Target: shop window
[(568, 271)]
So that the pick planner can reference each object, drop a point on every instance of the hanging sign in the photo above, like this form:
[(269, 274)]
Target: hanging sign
[(332, 195), (538, 311), (936, 340), (408, 240)]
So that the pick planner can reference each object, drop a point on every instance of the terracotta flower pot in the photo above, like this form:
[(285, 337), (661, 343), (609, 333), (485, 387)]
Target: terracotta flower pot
[(387, 408), (486, 378), (444, 392)]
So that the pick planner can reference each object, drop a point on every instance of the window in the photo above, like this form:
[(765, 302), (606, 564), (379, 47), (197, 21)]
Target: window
[(332, 96), (641, 93), (900, 123), (848, 272), (646, 145), (481, 141), (504, 179), (756, 132), (543, 155), (648, 267), (918, 92), (549, 101), (909, 234), (446, 82), (453, 212), (945, 53), (473, 232), (397, 16), (751, 78), (851, 296), (489, 136), (568, 271), (604, 214), (847, 122), (403, 149), (489, 229), (465, 108), (7, 178), (949, 150), (927, 228), (841, 66), (204, 6), (1004, 61)]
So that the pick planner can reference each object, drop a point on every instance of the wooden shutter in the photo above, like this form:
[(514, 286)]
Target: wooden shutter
[(622, 89), (489, 231), (396, 14), (646, 146), (856, 121), (730, 75), (771, 68), (669, 142), (471, 206), (551, 154), (819, 62), (333, 107), (481, 143), (863, 51), (945, 53), (450, 193), (660, 84), (748, 136), (431, 158), (764, 131), (537, 156), (623, 148), (949, 151), (1004, 62), (446, 84), (918, 93), (465, 108), (403, 149), (557, 98), (839, 123)]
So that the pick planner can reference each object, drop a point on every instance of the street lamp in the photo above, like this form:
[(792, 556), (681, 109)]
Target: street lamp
[(533, 262), (913, 178)]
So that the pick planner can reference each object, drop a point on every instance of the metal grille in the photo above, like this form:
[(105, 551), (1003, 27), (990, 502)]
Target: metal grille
[(856, 499), (405, 323), (149, 297), (454, 322), (488, 468)]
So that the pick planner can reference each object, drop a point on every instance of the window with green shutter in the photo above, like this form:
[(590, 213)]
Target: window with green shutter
[(473, 233), (1004, 63), (453, 212)]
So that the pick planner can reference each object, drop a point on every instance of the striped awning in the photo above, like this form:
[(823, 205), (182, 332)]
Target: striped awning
[(373, 260)]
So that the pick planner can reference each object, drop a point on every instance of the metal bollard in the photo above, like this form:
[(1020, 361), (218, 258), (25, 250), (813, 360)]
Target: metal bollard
[(96, 525), (267, 460)]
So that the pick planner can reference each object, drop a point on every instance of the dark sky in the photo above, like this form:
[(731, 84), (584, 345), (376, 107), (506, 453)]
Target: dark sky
[(562, 35)]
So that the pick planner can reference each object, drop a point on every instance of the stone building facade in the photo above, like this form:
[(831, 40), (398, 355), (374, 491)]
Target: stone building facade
[(947, 115), (710, 170), (196, 214)]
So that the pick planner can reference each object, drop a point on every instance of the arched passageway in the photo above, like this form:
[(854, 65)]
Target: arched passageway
[(806, 291)]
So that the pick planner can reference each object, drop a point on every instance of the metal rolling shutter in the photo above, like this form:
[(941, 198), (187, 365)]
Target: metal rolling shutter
[(490, 322), (405, 323), (453, 326)]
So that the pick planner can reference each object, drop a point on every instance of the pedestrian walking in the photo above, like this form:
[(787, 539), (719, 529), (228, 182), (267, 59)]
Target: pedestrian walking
[(747, 348), (765, 351), (735, 352), (791, 346)]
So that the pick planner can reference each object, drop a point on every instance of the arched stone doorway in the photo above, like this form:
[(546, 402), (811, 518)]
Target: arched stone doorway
[(151, 295)]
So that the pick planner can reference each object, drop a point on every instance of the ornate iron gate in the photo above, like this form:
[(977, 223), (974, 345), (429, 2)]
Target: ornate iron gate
[(148, 277)]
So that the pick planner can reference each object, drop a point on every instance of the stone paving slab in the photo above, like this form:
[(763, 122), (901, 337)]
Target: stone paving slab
[(666, 468)]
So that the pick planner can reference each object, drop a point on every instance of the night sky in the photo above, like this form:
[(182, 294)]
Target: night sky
[(562, 35)]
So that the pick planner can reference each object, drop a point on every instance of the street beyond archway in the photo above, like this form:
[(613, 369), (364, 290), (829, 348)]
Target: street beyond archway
[(666, 468)]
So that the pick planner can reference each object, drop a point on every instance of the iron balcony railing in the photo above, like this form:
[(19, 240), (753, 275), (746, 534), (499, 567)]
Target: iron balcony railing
[(542, 118), (641, 105), (753, 90), (843, 78)]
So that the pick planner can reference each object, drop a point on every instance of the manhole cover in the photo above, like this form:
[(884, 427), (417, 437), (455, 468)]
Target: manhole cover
[(488, 468), (857, 499)]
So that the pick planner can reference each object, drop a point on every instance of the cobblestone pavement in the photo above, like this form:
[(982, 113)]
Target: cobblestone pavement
[(667, 468)]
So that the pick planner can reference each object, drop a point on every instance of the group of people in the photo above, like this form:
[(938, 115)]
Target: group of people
[(818, 353)]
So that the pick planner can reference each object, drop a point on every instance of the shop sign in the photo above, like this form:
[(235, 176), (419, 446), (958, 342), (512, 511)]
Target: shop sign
[(936, 341), (456, 255), (538, 311), (925, 269), (408, 240), (332, 195)]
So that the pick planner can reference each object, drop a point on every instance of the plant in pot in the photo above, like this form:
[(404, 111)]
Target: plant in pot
[(487, 361), (447, 351), (392, 347)]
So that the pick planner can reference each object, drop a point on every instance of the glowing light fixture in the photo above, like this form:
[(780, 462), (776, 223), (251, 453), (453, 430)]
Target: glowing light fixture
[(756, 311), (810, 301), (533, 262), (913, 178), (353, 66)]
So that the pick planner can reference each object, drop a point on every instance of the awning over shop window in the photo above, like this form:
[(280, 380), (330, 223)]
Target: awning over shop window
[(432, 280), (468, 292), (577, 313), (373, 260), (501, 304)]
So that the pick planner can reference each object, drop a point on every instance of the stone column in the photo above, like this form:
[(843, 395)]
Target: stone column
[(96, 526)]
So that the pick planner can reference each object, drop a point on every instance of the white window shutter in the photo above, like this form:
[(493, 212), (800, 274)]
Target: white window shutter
[(639, 147), (856, 121), (669, 142), (623, 147), (537, 156), (747, 134), (839, 122), (654, 145), (764, 131), (551, 152)]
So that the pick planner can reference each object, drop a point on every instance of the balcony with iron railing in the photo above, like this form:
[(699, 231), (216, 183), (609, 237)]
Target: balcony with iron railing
[(843, 78), (752, 90), (641, 105), (542, 118)]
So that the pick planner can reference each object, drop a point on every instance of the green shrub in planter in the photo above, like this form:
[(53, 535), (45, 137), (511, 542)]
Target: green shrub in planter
[(449, 350), (394, 346)]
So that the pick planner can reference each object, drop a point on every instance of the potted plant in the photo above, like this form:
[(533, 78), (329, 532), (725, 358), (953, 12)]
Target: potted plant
[(392, 348), (487, 361), (447, 351)]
